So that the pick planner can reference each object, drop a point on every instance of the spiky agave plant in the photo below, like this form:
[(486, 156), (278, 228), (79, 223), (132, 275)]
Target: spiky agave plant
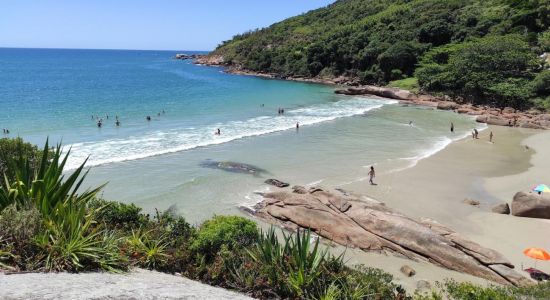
[(70, 240)]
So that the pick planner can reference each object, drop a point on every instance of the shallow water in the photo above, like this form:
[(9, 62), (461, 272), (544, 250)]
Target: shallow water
[(161, 163)]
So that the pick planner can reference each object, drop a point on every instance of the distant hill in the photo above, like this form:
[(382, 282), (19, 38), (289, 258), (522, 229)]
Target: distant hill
[(491, 45)]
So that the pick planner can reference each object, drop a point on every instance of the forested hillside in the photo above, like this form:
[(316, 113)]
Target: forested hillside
[(485, 51)]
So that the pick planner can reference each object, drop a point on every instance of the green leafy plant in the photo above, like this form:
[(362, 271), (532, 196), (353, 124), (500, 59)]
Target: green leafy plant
[(70, 240), (232, 231)]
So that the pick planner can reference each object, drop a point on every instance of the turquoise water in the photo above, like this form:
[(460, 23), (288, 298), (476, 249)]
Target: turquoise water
[(159, 163)]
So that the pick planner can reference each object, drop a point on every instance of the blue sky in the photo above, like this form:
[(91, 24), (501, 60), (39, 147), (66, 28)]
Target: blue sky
[(138, 24)]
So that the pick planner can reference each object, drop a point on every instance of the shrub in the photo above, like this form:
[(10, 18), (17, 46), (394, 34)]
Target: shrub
[(297, 268), (10, 150), (232, 231), (116, 215), (453, 290), (17, 231), (69, 240)]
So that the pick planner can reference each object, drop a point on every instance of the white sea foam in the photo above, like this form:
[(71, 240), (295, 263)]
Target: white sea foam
[(175, 140)]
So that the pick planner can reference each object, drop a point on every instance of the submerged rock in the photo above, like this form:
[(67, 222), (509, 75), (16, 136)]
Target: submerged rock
[(352, 221), (531, 205), (234, 167), (276, 183)]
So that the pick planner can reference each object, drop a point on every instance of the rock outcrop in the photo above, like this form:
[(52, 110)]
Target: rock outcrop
[(385, 92), (531, 205), (183, 56), (356, 222)]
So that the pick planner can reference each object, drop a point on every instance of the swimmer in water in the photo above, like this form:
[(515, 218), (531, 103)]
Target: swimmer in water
[(148, 118), (117, 123)]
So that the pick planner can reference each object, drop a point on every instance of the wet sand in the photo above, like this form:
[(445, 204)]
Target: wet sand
[(488, 172)]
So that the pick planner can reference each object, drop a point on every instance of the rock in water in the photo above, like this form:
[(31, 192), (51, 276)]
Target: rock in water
[(351, 221), (531, 205), (276, 183), (407, 270), (502, 208), (234, 167)]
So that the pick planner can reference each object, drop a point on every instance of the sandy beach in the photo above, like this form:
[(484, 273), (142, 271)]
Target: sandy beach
[(488, 172)]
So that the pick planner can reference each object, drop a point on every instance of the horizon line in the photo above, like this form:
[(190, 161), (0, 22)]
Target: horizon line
[(111, 49)]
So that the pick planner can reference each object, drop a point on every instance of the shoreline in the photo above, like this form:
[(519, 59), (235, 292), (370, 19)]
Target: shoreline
[(507, 116), (473, 169)]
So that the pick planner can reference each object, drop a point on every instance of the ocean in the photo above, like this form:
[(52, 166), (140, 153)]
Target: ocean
[(173, 160)]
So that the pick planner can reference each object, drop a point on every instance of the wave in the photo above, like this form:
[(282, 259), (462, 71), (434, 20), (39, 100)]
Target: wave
[(439, 145), (181, 139)]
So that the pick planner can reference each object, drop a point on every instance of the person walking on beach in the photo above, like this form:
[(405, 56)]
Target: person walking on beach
[(371, 175), (452, 127), (297, 126), (491, 137), (476, 133)]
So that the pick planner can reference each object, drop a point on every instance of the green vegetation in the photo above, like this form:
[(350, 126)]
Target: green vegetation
[(377, 41), (410, 84), (48, 224), (467, 291)]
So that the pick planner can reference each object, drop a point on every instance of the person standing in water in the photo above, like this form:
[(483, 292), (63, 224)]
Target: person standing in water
[(372, 174), (297, 125), (452, 127)]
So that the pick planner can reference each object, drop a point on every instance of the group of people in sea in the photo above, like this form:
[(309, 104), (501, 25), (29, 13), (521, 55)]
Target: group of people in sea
[(5, 131), (117, 121)]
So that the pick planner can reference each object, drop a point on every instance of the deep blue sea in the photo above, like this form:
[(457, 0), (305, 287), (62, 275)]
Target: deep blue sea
[(62, 94)]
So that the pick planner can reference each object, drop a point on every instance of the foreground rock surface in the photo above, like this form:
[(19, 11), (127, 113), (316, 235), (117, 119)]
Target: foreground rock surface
[(531, 205), (139, 284), (369, 225)]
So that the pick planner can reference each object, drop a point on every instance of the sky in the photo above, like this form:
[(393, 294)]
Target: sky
[(138, 24)]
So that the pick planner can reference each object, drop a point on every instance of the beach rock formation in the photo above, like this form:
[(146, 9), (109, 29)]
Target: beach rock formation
[(276, 183), (502, 208), (531, 205), (359, 222)]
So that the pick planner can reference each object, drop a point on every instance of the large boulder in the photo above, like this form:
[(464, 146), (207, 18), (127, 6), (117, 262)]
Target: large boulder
[(357, 222), (447, 105), (493, 120), (531, 205)]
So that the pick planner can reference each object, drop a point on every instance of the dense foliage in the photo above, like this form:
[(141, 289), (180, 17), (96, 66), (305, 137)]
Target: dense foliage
[(377, 41), (10, 148)]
